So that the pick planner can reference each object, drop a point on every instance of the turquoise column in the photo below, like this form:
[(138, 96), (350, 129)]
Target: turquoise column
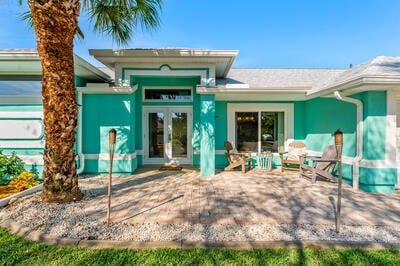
[(207, 135)]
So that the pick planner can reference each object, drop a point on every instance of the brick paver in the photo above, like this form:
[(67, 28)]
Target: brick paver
[(257, 197)]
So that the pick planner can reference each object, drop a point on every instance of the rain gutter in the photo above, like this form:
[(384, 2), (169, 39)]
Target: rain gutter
[(359, 136), (80, 155)]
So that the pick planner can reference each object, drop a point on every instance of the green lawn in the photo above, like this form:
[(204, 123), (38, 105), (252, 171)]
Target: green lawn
[(17, 251)]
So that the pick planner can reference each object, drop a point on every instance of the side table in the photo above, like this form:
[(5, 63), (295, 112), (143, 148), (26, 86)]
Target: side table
[(264, 160)]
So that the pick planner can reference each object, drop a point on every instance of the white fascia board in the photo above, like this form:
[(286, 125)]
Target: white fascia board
[(19, 54), (358, 85), (172, 52), (93, 89), (86, 70), (254, 94), (275, 96), (112, 58)]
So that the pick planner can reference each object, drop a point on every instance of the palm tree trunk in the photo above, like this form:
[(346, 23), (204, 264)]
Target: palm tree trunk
[(56, 23)]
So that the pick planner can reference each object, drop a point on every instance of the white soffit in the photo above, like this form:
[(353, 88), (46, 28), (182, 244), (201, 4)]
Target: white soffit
[(222, 59)]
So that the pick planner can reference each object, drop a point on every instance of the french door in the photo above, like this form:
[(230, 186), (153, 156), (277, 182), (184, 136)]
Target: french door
[(167, 137)]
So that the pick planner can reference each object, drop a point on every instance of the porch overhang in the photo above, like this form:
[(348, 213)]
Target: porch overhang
[(222, 59), (26, 62)]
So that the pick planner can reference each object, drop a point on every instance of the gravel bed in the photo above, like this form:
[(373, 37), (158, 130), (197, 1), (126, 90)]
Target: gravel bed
[(70, 220)]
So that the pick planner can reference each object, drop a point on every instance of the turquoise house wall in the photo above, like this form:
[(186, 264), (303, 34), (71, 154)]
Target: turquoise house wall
[(323, 116), (374, 136), (328, 114), (299, 120), (375, 179), (101, 113)]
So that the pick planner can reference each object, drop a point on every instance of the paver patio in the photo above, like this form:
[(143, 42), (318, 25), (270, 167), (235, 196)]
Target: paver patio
[(257, 197)]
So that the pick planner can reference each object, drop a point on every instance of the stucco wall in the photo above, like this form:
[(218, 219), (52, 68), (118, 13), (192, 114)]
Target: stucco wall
[(101, 113)]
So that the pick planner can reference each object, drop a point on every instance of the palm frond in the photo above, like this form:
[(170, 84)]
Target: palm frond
[(26, 16), (121, 18)]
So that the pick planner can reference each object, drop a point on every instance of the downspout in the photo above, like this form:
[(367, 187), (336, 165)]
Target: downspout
[(359, 137), (80, 155)]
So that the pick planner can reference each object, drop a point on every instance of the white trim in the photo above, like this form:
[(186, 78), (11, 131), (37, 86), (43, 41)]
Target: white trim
[(391, 128), (20, 99), (17, 114), (81, 156), (32, 159), (378, 164), (345, 159), (220, 152), (20, 144), (286, 108), (107, 90), (165, 72), (17, 129), (18, 140), (106, 156), (167, 109), (393, 98)]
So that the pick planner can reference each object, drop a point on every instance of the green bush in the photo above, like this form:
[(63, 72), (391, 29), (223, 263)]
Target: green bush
[(10, 166)]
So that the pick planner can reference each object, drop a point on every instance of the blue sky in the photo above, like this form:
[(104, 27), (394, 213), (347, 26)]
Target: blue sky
[(267, 33)]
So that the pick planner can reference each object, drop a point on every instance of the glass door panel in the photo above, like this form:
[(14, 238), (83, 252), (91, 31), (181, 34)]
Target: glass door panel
[(167, 135), (246, 131), (179, 134), (156, 135)]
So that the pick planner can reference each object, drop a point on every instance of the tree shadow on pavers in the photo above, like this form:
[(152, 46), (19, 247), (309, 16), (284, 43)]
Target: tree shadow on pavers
[(132, 182), (116, 208), (374, 208), (235, 205)]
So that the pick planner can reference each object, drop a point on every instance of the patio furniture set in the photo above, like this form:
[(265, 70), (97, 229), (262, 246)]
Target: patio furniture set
[(295, 158)]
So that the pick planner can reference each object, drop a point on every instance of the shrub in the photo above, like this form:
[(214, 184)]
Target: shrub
[(24, 181), (10, 165)]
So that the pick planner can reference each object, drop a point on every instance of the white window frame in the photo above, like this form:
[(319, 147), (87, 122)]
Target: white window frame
[(167, 109), (166, 88), (286, 108)]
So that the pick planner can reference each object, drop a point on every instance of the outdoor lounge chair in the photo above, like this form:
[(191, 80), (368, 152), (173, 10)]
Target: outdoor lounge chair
[(292, 156), (321, 166), (236, 158)]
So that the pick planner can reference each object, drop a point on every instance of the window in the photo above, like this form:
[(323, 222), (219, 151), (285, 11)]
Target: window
[(260, 127), (168, 94)]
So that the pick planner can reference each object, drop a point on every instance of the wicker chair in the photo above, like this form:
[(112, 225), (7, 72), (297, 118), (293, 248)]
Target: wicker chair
[(236, 158)]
